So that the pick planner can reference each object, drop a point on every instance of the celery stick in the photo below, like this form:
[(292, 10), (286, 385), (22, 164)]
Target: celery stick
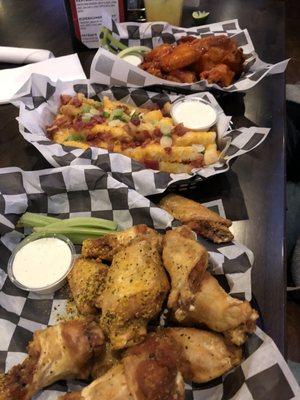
[(75, 234), (31, 220), (84, 222)]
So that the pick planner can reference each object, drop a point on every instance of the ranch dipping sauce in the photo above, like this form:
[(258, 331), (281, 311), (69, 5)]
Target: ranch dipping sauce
[(194, 114), (42, 262)]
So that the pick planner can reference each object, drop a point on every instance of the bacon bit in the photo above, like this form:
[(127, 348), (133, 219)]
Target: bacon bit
[(76, 102), (78, 124), (157, 133), (135, 120), (198, 163), (64, 99), (152, 164), (180, 130), (99, 119), (168, 150)]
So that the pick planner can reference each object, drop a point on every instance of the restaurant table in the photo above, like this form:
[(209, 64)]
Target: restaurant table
[(253, 191)]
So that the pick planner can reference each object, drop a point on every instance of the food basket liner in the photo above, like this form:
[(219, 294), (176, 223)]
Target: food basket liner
[(39, 101), (109, 69), (89, 191)]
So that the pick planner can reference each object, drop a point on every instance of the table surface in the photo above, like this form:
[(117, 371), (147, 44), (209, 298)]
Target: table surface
[(253, 191)]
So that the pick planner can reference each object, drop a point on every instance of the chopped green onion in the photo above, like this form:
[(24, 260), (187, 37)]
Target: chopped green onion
[(75, 138), (106, 114), (86, 117), (94, 111), (97, 103), (166, 129), (117, 113), (85, 108)]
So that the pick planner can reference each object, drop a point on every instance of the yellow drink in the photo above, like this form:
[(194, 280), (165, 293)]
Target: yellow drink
[(164, 10)]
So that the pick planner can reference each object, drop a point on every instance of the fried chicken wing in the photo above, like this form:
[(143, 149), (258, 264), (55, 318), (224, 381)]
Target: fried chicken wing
[(182, 55), (199, 218), (220, 74), (110, 386), (86, 280), (149, 371), (207, 355), (221, 312), (155, 368), (215, 58), (185, 260), (181, 75), (136, 287), (107, 246), (64, 351)]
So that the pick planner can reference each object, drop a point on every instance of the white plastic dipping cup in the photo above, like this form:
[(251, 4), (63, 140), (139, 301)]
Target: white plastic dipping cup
[(41, 263), (194, 113), (164, 10)]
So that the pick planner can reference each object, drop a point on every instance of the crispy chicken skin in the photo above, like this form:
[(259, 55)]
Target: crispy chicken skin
[(107, 246), (199, 218), (64, 351), (148, 371), (136, 287), (221, 312), (185, 260), (207, 355), (86, 281)]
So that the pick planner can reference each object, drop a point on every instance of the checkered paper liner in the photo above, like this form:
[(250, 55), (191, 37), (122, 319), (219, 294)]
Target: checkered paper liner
[(39, 102), (109, 69), (89, 191)]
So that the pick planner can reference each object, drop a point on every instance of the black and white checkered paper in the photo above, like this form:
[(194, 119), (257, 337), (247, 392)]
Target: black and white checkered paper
[(109, 69), (89, 191), (39, 103)]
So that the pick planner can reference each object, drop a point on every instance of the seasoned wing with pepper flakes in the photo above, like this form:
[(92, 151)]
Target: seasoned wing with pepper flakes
[(105, 247), (64, 351), (86, 280), (185, 260), (148, 371), (136, 286), (155, 368), (199, 218), (221, 312), (207, 355)]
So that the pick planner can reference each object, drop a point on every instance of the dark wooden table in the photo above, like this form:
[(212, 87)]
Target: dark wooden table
[(254, 190)]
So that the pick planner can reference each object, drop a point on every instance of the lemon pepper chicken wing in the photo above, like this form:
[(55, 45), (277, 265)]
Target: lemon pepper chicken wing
[(199, 218), (136, 286), (185, 260), (64, 351), (86, 280), (221, 312), (148, 371), (155, 368), (206, 355), (105, 247)]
